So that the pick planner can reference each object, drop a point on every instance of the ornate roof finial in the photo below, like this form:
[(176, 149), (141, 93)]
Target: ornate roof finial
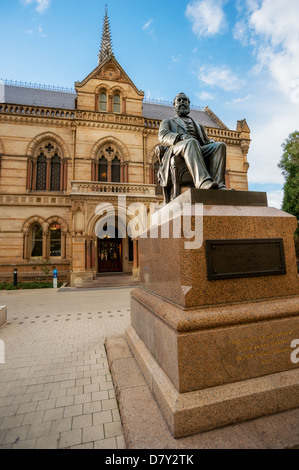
[(106, 46)]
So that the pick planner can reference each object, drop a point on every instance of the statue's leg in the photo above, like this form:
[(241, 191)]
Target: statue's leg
[(190, 150), (215, 157), (175, 176), (166, 194)]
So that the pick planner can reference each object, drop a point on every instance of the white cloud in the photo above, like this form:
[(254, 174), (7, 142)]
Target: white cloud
[(220, 76), (265, 150), (275, 198), (241, 100), (41, 6), (147, 25), (40, 30), (207, 17), (205, 96), (272, 27)]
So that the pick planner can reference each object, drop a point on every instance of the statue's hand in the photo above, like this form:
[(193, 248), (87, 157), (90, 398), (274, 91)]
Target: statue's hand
[(212, 141), (185, 137)]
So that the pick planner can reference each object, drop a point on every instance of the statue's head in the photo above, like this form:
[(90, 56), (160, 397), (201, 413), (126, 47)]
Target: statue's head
[(182, 104)]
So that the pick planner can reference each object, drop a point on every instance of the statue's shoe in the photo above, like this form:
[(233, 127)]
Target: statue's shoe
[(209, 184), (223, 188)]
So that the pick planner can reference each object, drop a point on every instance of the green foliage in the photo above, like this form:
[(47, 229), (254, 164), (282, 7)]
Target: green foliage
[(29, 285), (44, 266), (289, 164)]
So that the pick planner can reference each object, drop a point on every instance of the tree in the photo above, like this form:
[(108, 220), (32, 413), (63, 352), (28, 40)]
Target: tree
[(289, 164)]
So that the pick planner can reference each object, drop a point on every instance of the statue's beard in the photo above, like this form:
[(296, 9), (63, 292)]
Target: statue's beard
[(182, 110)]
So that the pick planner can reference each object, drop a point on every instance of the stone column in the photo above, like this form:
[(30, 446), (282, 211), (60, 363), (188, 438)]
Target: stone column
[(93, 171), (135, 254), (109, 172), (65, 176), (48, 175), (110, 99), (93, 253), (34, 165), (61, 176), (29, 170), (45, 243), (26, 255), (124, 106), (88, 254), (63, 245), (127, 173)]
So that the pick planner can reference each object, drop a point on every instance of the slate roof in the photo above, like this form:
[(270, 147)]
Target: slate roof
[(58, 99), (158, 111), (36, 97)]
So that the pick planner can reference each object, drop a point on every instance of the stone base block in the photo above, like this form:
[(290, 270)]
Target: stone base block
[(3, 315), (80, 278), (195, 412)]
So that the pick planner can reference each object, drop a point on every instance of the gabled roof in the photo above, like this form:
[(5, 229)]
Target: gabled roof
[(95, 74)]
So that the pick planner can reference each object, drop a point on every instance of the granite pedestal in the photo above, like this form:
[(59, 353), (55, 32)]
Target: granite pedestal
[(3, 315), (217, 352)]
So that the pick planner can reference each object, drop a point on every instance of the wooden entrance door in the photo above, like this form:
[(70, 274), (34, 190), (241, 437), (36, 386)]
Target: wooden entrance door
[(109, 255)]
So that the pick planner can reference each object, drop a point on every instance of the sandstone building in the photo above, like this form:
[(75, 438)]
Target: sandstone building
[(63, 153)]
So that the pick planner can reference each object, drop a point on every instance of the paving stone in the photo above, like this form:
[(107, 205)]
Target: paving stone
[(109, 404), (74, 410), (70, 438), (110, 443), (46, 404), (121, 442), (61, 425), (93, 407), (33, 418), (64, 401), (48, 442), (86, 446), (27, 407), (112, 429), (102, 417), (12, 421), (84, 398), (83, 421), (93, 433), (53, 414), (16, 434), (39, 429), (27, 444)]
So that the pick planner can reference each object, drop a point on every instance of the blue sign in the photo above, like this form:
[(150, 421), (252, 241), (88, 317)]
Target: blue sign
[(55, 274)]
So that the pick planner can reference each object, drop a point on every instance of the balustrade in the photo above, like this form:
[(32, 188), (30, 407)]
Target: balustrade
[(92, 188)]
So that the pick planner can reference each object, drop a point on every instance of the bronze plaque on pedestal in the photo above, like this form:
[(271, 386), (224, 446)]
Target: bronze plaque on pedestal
[(230, 259)]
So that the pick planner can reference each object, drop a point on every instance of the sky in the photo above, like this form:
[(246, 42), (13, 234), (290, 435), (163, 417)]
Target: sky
[(239, 57)]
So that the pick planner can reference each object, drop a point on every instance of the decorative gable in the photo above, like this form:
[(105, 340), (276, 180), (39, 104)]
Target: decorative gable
[(110, 78)]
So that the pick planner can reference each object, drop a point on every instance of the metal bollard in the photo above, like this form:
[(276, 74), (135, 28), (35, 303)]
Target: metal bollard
[(55, 275), (15, 277)]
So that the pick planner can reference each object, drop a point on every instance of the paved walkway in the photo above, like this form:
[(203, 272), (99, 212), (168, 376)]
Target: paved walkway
[(56, 390)]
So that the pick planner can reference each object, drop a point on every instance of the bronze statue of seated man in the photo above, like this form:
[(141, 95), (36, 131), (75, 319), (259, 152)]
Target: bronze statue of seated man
[(186, 138)]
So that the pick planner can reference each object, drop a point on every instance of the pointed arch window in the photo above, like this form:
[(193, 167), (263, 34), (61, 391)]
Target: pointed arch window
[(103, 169), (55, 173), (115, 170), (55, 240), (103, 102), (36, 241), (41, 173), (116, 103), (47, 169)]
